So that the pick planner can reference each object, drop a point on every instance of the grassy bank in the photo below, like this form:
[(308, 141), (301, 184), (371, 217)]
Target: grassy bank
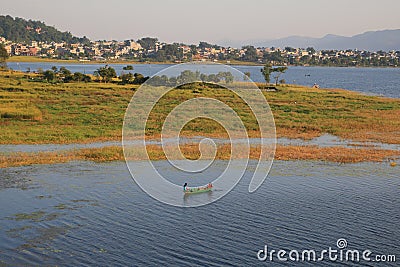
[(115, 153), (34, 112)]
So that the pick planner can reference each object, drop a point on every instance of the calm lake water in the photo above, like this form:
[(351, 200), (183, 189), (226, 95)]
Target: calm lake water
[(375, 81), (85, 214)]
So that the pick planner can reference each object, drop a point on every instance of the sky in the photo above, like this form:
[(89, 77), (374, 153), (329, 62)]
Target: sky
[(215, 21)]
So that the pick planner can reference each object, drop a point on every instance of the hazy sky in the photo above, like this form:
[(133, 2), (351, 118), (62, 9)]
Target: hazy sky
[(209, 20)]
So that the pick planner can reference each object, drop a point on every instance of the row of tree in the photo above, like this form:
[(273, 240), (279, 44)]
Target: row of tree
[(103, 74), (188, 76), (64, 75)]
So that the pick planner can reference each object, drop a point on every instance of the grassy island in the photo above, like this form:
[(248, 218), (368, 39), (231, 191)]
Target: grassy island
[(37, 112)]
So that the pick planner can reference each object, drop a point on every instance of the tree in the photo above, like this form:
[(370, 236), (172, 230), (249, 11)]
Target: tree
[(290, 49), (250, 54), (160, 56), (279, 71), (3, 55), (172, 52), (266, 72), (227, 76), (65, 74), (128, 67), (127, 78), (139, 78), (106, 73), (162, 80), (203, 45), (213, 78), (49, 75), (188, 76), (268, 69), (148, 43), (311, 50), (193, 50), (273, 57), (80, 77)]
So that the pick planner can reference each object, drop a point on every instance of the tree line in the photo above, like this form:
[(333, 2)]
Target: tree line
[(103, 74), (188, 76)]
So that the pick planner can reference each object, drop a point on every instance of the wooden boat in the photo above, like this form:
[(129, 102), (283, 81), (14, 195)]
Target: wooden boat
[(199, 189)]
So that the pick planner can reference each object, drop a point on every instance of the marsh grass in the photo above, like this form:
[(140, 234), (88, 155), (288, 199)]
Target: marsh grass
[(191, 151), (19, 110), (36, 112)]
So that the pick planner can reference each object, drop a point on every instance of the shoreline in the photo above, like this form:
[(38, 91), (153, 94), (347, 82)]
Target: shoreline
[(33, 59), (191, 152)]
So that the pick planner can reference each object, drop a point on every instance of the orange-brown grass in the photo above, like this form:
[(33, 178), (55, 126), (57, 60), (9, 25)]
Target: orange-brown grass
[(191, 151), (302, 112), (103, 154), (334, 154)]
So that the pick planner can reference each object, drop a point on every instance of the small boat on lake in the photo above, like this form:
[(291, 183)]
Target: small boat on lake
[(198, 189)]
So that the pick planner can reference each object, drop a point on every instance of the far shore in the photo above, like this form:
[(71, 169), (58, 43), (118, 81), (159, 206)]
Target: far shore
[(34, 59)]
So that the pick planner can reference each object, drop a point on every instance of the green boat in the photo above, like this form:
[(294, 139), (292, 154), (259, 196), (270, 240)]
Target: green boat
[(197, 190)]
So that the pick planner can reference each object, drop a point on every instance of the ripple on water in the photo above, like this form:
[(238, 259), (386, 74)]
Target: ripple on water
[(85, 213)]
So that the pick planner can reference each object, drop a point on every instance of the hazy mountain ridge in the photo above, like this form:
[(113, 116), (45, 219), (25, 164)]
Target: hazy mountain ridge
[(371, 40), (22, 30)]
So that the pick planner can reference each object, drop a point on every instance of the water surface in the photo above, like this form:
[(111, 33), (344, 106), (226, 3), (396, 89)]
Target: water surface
[(84, 213)]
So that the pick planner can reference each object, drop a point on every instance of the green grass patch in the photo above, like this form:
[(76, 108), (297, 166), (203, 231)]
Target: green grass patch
[(39, 112)]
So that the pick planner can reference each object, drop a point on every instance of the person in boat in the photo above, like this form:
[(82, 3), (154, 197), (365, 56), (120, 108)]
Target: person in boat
[(184, 186)]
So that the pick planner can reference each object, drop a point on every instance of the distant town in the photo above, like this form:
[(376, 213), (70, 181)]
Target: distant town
[(152, 50)]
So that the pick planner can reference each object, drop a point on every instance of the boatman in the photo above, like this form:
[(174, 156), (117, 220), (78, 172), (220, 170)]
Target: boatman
[(184, 187)]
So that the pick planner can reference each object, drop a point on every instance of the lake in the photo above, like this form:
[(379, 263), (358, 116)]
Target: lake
[(375, 81), (85, 214)]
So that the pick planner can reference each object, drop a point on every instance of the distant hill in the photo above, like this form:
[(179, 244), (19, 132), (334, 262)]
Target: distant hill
[(373, 41), (21, 30)]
